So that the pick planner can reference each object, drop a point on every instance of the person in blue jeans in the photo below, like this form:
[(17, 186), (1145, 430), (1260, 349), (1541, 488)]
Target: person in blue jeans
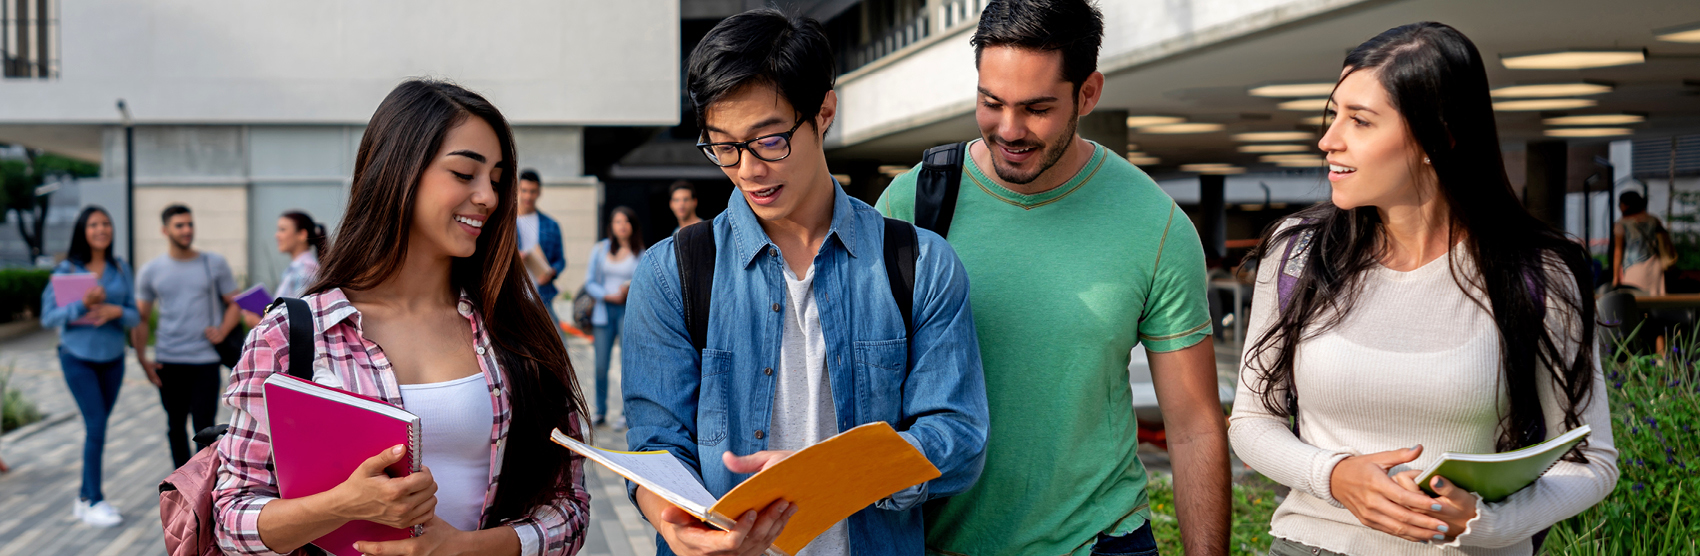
[(609, 278), (91, 347), (804, 339)]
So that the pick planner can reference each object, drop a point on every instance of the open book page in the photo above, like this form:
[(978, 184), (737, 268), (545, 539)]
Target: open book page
[(658, 471)]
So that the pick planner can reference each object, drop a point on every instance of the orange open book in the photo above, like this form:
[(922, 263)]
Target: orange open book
[(828, 481)]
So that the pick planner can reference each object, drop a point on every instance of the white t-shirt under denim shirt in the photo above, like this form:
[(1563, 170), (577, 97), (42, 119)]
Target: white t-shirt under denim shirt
[(803, 413), (1416, 362)]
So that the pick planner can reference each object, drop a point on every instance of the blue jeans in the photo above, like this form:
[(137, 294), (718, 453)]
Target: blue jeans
[(94, 384), (606, 334), (1138, 543)]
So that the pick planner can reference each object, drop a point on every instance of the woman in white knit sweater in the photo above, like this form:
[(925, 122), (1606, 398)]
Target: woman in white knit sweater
[(1421, 310)]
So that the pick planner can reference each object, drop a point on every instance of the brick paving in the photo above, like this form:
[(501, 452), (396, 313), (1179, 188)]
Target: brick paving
[(36, 496)]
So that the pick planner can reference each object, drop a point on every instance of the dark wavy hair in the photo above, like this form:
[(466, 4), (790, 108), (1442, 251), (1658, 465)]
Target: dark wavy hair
[(1435, 78), (636, 242), (80, 250), (400, 141), (315, 230), (1072, 27)]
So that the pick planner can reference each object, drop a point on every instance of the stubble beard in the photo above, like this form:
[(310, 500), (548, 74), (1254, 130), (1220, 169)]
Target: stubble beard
[(1053, 153)]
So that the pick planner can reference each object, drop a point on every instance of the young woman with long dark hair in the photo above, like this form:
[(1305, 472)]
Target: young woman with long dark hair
[(613, 262), (423, 302), (91, 347), (1425, 311), (304, 241)]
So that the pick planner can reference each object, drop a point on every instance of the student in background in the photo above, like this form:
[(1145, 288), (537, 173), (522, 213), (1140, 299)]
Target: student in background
[(303, 240), (91, 347), (609, 278), (432, 296), (1420, 310), (537, 231), (1639, 246), (189, 287), (682, 200), (805, 338)]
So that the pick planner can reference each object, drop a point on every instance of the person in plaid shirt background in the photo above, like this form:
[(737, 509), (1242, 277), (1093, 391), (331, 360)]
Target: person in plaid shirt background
[(426, 298)]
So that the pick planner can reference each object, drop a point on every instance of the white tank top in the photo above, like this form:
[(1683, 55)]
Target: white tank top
[(455, 419)]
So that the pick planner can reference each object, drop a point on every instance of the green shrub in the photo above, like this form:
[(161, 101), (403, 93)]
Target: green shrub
[(1655, 409), (1254, 505), (15, 410), (20, 289)]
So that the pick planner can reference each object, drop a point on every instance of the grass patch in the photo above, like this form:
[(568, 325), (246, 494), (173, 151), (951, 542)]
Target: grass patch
[(1254, 504), (1655, 409)]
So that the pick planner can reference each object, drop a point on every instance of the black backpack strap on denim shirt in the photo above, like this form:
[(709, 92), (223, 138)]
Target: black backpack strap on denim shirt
[(936, 186), (694, 253)]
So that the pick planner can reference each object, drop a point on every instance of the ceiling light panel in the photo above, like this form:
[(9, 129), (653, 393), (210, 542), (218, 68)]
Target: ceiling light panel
[(1589, 132), (1574, 59), (1292, 90), (1688, 34), (1274, 136), (1596, 119), (1262, 149), (1551, 90), (1305, 105), (1192, 127), (1142, 121), (1543, 104)]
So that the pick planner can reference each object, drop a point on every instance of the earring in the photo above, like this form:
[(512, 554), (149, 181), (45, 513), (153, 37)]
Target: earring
[(1425, 160)]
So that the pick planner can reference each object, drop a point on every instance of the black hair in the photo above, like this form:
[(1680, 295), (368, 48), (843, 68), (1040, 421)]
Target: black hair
[(1435, 78), (173, 210), (636, 241), (1633, 202), (1073, 27), (530, 175), (80, 251), (682, 185), (315, 231), (762, 46)]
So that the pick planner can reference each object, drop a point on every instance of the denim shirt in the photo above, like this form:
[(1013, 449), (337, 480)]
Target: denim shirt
[(86, 342), (698, 405)]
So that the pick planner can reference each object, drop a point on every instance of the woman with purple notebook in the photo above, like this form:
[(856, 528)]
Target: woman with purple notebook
[(91, 343), (424, 304)]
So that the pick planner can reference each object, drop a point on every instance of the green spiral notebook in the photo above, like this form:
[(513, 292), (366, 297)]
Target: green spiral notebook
[(1497, 476)]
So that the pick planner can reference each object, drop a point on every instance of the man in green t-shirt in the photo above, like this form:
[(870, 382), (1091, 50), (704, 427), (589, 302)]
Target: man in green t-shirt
[(1076, 257)]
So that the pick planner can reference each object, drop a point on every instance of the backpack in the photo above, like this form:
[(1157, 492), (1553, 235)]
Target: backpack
[(185, 497), (694, 249), (936, 186)]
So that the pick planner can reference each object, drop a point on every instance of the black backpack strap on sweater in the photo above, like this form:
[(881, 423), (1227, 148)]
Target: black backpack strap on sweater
[(936, 186), (901, 251), (693, 252)]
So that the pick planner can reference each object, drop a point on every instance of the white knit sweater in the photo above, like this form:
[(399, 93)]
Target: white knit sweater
[(1415, 362)]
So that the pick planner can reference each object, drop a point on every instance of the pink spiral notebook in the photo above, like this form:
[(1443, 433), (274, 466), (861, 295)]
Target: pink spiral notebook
[(320, 435)]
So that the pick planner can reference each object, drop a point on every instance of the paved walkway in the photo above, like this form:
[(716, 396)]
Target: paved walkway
[(36, 496)]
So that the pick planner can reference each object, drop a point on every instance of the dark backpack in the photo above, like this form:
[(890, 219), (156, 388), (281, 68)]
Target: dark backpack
[(694, 249), (185, 497), (936, 186)]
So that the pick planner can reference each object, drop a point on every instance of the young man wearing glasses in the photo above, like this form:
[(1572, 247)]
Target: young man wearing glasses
[(805, 335)]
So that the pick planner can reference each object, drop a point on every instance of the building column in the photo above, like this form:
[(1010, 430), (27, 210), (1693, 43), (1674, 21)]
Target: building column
[(1213, 215), (1546, 180)]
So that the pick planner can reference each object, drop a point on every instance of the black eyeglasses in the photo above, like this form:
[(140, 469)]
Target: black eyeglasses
[(771, 148)]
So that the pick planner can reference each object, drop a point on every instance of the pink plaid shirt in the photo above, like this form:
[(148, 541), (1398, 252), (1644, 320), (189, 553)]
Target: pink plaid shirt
[(344, 359)]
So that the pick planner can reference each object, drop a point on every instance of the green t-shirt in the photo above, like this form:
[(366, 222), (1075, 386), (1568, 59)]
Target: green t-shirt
[(1064, 284)]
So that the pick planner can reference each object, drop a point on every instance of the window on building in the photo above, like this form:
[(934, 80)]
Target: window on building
[(29, 38)]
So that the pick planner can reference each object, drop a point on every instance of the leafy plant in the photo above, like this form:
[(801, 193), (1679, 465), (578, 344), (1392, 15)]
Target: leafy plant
[(20, 289), (19, 198), (15, 410), (1655, 409)]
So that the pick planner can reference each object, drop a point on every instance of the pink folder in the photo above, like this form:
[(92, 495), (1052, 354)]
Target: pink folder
[(320, 435), (68, 288)]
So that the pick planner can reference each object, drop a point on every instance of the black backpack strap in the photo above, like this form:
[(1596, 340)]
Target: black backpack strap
[(693, 251), (300, 336), (901, 251), (936, 186)]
